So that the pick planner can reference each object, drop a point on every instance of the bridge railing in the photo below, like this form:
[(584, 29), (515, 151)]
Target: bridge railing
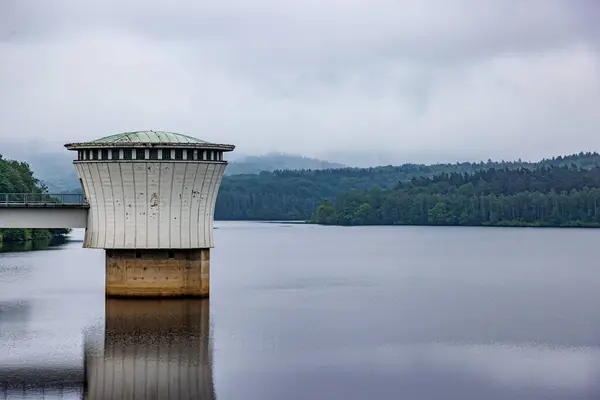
[(7, 199)]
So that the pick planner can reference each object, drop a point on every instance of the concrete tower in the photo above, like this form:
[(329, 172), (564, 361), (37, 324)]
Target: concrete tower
[(152, 198)]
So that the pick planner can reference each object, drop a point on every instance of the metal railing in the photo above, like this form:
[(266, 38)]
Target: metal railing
[(42, 199)]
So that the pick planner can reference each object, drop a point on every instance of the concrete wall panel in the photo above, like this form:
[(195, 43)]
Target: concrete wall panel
[(150, 205)]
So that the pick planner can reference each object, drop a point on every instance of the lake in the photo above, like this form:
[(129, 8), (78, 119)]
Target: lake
[(311, 312)]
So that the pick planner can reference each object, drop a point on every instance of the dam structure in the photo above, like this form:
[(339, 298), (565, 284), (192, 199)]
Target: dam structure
[(151, 197)]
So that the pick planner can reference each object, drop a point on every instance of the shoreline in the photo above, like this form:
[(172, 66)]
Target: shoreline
[(522, 225)]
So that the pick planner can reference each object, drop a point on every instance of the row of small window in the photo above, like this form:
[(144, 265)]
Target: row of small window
[(150, 154)]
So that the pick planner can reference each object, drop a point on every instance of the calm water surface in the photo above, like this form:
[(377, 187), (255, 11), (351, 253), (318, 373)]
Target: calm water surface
[(306, 312)]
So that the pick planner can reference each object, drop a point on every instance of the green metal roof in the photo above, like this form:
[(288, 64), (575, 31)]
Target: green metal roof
[(148, 137)]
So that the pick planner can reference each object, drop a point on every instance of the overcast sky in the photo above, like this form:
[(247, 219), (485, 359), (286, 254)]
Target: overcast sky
[(428, 80)]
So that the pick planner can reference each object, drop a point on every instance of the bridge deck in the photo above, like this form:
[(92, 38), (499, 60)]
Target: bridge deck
[(43, 210)]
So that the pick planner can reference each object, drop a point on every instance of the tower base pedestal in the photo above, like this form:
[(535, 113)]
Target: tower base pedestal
[(157, 273)]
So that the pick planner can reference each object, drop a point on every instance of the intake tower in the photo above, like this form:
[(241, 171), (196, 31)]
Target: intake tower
[(152, 198)]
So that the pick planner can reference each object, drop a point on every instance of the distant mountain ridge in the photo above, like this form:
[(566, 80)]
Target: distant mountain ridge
[(277, 161), (56, 170)]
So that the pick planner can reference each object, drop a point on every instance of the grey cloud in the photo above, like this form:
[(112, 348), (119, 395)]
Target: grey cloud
[(437, 28), (468, 79)]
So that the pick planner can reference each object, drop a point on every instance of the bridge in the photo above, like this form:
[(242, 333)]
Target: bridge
[(41, 381), (43, 210)]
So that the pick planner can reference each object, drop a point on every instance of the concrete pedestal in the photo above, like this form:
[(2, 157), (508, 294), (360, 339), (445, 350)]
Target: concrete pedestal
[(157, 273)]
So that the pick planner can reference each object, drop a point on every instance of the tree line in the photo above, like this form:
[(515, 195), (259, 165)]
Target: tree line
[(294, 195), (548, 195), (17, 177)]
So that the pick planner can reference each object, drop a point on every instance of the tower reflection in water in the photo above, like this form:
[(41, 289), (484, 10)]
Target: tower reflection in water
[(152, 349)]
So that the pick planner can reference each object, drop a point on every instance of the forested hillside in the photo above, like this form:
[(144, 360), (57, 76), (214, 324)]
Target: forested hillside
[(544, 196), (294, 195), (17, 177)]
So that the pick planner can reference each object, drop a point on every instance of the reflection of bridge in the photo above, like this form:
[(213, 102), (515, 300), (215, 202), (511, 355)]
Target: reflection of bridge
[(152, 349), (39, 382)]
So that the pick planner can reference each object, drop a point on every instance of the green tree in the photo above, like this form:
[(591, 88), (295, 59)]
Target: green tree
[(543, 196), (17, 177)]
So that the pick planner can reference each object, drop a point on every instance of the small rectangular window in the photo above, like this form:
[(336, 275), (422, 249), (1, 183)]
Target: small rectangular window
[(166, 154), (179, 154), (105, 154), (140, 154), (190, 154), (153, 154), (94, 154), (127, 154)]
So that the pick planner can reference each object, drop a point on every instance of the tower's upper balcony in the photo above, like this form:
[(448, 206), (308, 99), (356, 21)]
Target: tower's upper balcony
[(149, 145)]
